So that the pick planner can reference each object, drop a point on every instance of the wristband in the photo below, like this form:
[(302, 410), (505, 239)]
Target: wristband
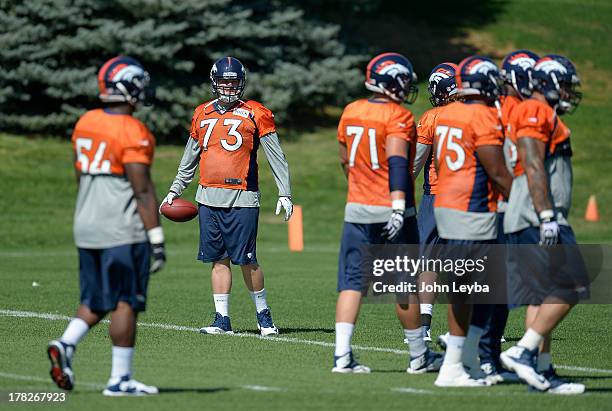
[(398, 204), (156, 235), (546, 215)]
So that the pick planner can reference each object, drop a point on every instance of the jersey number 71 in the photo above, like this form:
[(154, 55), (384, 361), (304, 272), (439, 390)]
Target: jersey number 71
[(357, 132)]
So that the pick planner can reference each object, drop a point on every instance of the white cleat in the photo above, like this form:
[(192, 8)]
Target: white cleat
[(265, 325), (267, 330), (454, 375), (125, 386), (568, 388), (346, 364), (522, 362)]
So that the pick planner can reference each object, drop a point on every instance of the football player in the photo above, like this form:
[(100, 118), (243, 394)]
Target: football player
[(537, 213), (516, 72), (442, 89), (116, 225), (471, 171), (377, 142), (225, 136)]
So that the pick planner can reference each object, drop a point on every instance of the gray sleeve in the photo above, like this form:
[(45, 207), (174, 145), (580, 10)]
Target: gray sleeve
[(187, 167), (278, 163), (422, 152)]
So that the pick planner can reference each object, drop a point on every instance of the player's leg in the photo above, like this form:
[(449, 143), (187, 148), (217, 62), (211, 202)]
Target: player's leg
[(61, 351), (428, 237), (481, 317), (350, 285), (213, 250), (421, 359), (408, 311), (452, 372), (530, 262), (254, 281), (427, 300), (221, 283), (126, 275)]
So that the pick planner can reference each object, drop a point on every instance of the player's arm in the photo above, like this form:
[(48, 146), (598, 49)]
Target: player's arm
[(531, 155), (139, 176), (186, 170), (280, 171), (401, 186), (344, 161), (422, 153), (492, 159)]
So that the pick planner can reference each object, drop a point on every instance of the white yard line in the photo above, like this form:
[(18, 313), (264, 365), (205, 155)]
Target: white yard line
[(262, 388), (173, 327), (19, 377)]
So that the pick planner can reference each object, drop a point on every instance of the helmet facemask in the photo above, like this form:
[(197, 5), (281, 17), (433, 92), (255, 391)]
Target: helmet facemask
[(228, 88)]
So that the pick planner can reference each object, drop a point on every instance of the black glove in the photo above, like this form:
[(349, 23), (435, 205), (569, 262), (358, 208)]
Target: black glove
[(159, 257)]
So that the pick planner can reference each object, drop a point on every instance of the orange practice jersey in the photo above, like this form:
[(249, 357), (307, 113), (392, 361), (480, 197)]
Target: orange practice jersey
[(229, 141), (104, 142), (463, 183), (364, 127), (536, 119), (425, 132)]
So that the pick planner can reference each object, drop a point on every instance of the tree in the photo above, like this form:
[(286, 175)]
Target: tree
[(52, 50)]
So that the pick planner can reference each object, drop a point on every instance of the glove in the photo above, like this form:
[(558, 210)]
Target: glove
[(284, 202), (158, 249), (549, 232), (394, 225), (168, 199), (159, 257)]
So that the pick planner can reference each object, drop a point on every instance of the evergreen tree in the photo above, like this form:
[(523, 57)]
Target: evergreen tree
[(51, 50)]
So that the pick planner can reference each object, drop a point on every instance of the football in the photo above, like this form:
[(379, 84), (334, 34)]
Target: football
[(180, 210)]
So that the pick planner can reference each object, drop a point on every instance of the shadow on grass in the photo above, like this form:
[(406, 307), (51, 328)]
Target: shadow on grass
[(307, 330), (177, 390), (586, 377)]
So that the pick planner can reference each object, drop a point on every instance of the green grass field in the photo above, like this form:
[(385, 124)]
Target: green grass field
[(293, 370)]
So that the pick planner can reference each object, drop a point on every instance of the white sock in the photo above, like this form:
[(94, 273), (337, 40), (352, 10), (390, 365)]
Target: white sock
[(222, 304), (544, 361), (259, 299), (470, 346), (75, 331), (426, 309), (344, 333), (454, 348), (416, 344), (122, 361), (531, 340)]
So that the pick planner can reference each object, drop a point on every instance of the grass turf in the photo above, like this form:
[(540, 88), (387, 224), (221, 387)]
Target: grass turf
[(224, 372)]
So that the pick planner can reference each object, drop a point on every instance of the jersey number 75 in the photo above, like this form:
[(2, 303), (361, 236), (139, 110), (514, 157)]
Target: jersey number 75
[(447, 136)]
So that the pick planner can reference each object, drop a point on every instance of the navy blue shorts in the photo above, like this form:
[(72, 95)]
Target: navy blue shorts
[(354, 237), (115, 274), (228, 232), (428, 232), (535, 272)]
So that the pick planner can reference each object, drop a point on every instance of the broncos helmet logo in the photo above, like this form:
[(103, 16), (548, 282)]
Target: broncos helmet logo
[(481, 67), (522, 60), (548, 65), (440, 74)]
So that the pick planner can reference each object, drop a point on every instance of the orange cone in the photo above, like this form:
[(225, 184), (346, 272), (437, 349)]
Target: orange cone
[(592, 214), (296, 232)]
